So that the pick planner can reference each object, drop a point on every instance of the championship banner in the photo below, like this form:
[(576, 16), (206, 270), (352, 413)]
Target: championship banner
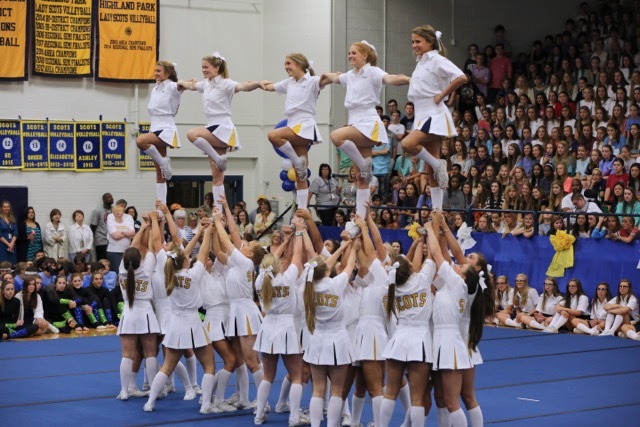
[(62, 46), (127, 40), (35, 152), (11, 151), (114, 146), (145, 162), (13, 40), (62, 148), (87, 146)]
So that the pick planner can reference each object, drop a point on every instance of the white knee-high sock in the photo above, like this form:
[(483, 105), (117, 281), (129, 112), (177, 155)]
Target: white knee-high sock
[(217, 190), (242, 379), (333, 412), (155, 155), (376, 402), (428, 157), (263, 394), (156, 386), (302, 198), (535, 325), (512, 323), (584, 328), (161, 192), (125, 373), (350, 149), (151, 367), (386, 411), (476, 417), (437, 197), (257, 377), (443, 417), (363, 195), (183, 376), (417, 416), (457, 418), (295, 396), (208, 382), (284, 391), (287, 150), (206, 148), (405, 397), (192, 369), (133, 380), (223, 379), (345, 410), (358, 406), (315, 411), (609, 322), (561, 322), (632, 334), (617, 321)]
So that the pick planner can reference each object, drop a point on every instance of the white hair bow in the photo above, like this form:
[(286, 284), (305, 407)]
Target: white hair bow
[(217, 55), (310, 63), (175, 66), (392, 272), (439, 37), (309, 269), (464, 237), (172, 255), (481, 281), (268, 271), (370, 45), (489, 268)]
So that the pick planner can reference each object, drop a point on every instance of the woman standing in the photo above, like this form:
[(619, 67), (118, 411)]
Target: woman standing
[(120, 231), (325, 188), (434, 78), (264, 219), (301, 88), (365, 128), (220, 134), (8, 234), (162, 108), (80, 237), (54, 236), (31, 233)]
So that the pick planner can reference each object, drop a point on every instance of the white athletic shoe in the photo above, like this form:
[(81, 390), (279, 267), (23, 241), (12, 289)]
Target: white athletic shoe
[(606, 334), (189, 394), (267, 408), (165, 170), (148, 407), (367, 172), (260, 420), (283, 408), (226, 407), (520, 326), (622, 334), (303, 420), (197, 389), (595, 332), (209, 409), (346, 420), (301, 169), (577, 331), (352, 229), (123, 395), (442, 177), (233, 399), (221, 162), (370, 424), (247, 405), (145, 386), (136, 392)]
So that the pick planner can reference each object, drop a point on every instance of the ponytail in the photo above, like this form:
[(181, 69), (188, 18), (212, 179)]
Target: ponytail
[(131, 261), (175, 261), (314, 270), (391, 300), (269, 267)]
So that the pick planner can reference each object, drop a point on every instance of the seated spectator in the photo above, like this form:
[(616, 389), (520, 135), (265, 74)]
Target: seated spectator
[(617, 176), (545, 310), (621, 310), (629, 205), (572, 310), (484, 225), (581, 204), (387, 221), (557, 224), (340, 218), (503, 297), (265, 218), (627, 232), (276, 241), (596, 321), (524, 302), (526, 227), (509, 223), (617, 197), (453, 197), (409, 200), (580, 227), (245, 228)]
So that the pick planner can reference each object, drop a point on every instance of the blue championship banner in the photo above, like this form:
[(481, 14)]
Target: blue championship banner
[(62, 148), (10, 151), (114, 146), (35, 153), (145, 162), (88, 146)]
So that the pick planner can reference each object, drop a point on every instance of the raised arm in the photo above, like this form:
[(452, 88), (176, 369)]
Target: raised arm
[(223, 237), (247, 86), (234, 234), (171, 225), (333, 259), (156, 236), (297, 257), (194, 240), (432, 240), (203, 253), (351, 262), (412, 250), (367, 244), (381, 250), (328, 78), (453, 244), (396, 79), (284, 250), (216, 247), (138, 238), (312, 228)]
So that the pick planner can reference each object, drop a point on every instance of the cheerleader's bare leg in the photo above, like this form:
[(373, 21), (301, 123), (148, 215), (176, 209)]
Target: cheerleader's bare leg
[(374, 377), (204, 355), (468, 396), (319, 373), (157, 149), (426, 147), (216, 150), (296, 149), (293, 363), (452, 387), (224, 349), (395, 374)]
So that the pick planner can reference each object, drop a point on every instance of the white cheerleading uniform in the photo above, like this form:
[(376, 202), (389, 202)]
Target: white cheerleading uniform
[(529, 305), (505, 299), (476, 357), (597, 310), (363, 94), (279, 333), (186, 329), (581, 303), (301, 319), (412, 338), (162, 108), (329, 344), (631, 302), (215, 302), (371, 333), (139, 319), (161, 302), (550, 303), (433, 73), (350, 307), (300, 105), (244, 316), (450, 351), (217, 94)]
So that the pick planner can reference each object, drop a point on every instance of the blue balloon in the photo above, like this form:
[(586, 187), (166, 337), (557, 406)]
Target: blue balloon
[(283, 175), (288, 185)]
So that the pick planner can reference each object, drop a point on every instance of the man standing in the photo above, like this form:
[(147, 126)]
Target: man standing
[(99, 225), (500, 68)]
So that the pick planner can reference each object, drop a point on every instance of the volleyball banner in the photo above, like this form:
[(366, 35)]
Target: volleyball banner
[(62, 148), (114, 145), (10, 151), (145, 162), (35, 135), (13, 40), (63, 34), (88, 146), (128, 39)]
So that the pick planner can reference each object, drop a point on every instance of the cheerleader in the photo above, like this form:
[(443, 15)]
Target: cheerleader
[(596, 323), (88, 307), (184, 289), (302, 88), (621, 311), (279, 336), (138, 323), (31, 307), (524, 301), (434, 78), (365, 128), (104, 298), (162, 108), (58, 300), (410, 347), (245, 319), (10, 323), (541, 317), (219, 135), (575, 307), (328, 351)]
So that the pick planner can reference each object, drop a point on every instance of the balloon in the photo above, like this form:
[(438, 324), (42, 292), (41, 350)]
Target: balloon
[(283, 175), (288, 185), (292, 175), (286, 165)]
